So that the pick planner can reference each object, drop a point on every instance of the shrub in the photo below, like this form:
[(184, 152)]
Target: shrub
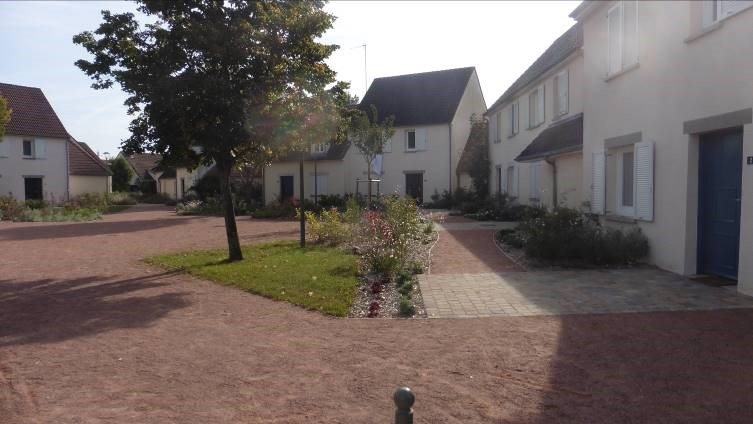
[(121, 198), (121, 174), (565, 234), (35, 203), (94, 201), (512, 237), (208, 186), (276, 210), (328, 228), (406, 307), (59, 214), (329, 201), (196, 207)]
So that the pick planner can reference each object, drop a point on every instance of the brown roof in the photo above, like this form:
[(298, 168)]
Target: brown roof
[(83, 161), (32, 114), (142, 163), (562, 47)]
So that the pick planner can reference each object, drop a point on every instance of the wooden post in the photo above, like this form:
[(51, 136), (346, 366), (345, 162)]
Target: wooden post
[(404, 400), (300, 201)]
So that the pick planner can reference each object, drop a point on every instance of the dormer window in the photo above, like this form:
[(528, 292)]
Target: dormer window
[(28, 148), (320, 147)]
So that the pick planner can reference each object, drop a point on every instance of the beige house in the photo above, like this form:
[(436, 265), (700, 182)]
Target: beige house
[(432, 113), (536, 128), (150, 176), (38, 158), (668, 128)]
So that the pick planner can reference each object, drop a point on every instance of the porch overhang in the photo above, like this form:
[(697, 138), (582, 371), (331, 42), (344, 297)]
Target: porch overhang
[(562, 137)]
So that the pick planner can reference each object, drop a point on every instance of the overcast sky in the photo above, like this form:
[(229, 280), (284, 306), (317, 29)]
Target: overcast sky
[(501, 39)]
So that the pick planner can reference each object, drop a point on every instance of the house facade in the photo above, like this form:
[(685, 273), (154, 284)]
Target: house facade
[(536, 129), (39, 160), (150, 176), (668, 129), (432, 113)]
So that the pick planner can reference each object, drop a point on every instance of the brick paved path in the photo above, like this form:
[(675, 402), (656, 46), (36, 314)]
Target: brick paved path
[(470, 277)]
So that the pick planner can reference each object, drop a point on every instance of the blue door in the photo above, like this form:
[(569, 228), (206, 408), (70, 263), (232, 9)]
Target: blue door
[(720, 183)]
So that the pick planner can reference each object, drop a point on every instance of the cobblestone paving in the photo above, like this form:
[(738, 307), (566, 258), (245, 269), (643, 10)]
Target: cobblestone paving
[(570, 292)]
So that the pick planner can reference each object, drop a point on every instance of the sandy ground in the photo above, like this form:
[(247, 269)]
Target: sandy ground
[(89, 334)]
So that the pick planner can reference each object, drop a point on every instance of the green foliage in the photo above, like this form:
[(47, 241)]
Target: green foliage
[(328, 228), (387, 236), (211, 206), (565, 234), (407, 308), (478, 145), (276, 210), (122, 198), (10, 208), (59, 214), (369, 135), (208, 186), (5, 113), (317, 278), (512, 237), (121, 174)]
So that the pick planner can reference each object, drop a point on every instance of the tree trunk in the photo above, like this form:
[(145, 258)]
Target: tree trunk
[(231, 230), (368, 176), (300, 201)]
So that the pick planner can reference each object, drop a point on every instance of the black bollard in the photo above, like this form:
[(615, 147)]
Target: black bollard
[(404, 399)]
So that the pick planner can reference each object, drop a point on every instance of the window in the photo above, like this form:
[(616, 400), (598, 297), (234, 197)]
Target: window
[(410, 140), (498, 127), (622, 32), (514, 118), (536, 107), (511, 183), (321, 187), (561, 93), (4, 148), (716, 10), (28, 148), (320, 147), (416, 139), (498, 171), (625, 184), (535, 188)]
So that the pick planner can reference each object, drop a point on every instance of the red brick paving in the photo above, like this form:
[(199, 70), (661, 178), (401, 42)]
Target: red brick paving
[(89, 334)]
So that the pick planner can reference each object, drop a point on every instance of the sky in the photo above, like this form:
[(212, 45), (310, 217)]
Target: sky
[(501, 39)]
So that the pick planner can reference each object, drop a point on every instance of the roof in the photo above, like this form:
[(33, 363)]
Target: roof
[(584, 9), (83, 161), (418, 99), (336, 151), (477, 139), (561, 137), (32, 114), (562, 47), (142, 163)]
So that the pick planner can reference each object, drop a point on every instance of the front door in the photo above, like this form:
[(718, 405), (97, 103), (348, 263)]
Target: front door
[(719, 183), (286, 187), (414, 186), (33, 188)]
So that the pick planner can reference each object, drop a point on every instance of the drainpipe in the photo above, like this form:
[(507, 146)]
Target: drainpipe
[(553, 164), (67, 173), (450, 131)]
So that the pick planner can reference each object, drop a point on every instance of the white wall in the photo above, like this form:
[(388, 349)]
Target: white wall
[(80, 184), (503, 154), (336, 171), (472, 103), (677, 80), (53, 168)]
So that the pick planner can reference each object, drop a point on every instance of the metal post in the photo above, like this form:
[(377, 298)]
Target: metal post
[(302, 209), (404, 399)]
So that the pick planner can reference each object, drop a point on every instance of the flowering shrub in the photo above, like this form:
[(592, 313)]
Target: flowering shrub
[(10, 208), (328, 228), (211, 206)]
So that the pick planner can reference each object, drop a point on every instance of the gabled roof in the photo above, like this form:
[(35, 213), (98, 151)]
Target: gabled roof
[(562, 47), (32, 114), (142, 163), (418, 99), (561, 137), (83, 161)]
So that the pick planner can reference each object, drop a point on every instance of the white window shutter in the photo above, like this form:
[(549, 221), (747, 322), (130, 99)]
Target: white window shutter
[(493, 123), (4, 148), (40, 149), (516, 182), (563, 91), (421, 139), (516, 117), (614, 39), (598, 183), (644, 180), (540, 101), (629, 32)]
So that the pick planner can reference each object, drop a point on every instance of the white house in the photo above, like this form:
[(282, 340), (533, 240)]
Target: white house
[(38, 158), (668, 128), (536, 128), (432, 113), (150, 176)]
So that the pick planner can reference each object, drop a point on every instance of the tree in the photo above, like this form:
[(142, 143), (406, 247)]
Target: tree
[(223, 82), (369, 136), (478, 143), (5, 112), (121, 174)]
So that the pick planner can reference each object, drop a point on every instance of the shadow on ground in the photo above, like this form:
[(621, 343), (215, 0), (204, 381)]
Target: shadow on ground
[(48, 310)]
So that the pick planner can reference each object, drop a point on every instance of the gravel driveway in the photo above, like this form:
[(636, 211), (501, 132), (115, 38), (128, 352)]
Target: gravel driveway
[(89, 334)]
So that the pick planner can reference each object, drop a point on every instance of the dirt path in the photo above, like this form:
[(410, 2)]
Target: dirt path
[(88, 334)]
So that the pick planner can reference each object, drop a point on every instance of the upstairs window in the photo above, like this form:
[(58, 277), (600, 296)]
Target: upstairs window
[(410, 140), (498, 127), (536, 107), (28, 148), (561, 93), (513, 118), (416, 140), (622, 32), (716, 10)]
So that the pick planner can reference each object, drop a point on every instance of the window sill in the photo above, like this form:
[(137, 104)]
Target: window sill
[(511, 136), (623, 71), (559, 117), (414, 150), (535, 126), (620, 218), (703, 31)]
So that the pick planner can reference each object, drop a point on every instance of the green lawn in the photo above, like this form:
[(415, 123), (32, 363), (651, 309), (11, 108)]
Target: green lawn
[(317, 278)]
